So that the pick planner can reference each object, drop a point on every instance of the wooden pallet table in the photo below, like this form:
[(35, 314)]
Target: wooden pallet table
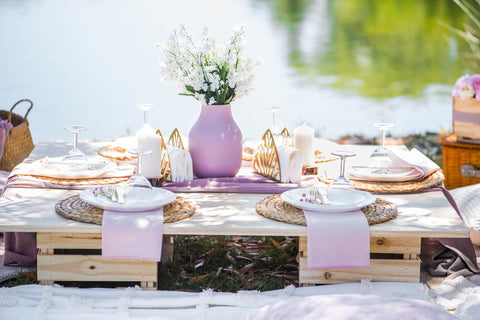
[(395, 244)]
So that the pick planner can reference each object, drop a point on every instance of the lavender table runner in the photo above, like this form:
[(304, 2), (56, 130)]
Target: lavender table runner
[(240, 184), (246, 181), (454, 256)]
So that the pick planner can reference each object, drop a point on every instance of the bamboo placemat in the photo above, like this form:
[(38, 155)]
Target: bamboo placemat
[(275, 208), (76, 209), (432, 180)]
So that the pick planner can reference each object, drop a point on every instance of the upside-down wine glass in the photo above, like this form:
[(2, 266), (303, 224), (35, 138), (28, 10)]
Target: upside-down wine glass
[(75, 155), (341, 182), (274, 129), (145, 108), (379, 157), (138, 187)]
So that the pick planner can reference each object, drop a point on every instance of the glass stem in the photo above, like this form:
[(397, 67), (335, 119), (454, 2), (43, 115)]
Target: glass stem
[(342, 166), (139, 163), (75, 140), (383, 138), (145, 117)]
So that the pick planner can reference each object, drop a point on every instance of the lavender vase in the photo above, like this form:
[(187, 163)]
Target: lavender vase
[(215, 143)]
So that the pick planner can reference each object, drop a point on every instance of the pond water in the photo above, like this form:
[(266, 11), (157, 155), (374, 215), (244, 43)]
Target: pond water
[(341, 65)]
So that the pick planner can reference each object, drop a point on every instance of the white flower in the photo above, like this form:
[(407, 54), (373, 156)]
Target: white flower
[(466, 91), (211, 73)]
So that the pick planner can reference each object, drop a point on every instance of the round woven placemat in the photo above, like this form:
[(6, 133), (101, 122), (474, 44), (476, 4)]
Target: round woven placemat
[(76, 209), (432, 180), (275, 208), (81, 182)]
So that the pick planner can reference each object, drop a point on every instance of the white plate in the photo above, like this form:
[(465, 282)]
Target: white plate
[(159, 198), (56, 168), (341, 201), (395, 174)]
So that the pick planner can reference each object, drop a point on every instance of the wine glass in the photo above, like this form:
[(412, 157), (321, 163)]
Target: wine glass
[(145, 107), (274, 129), (138, 187), (341, 182), (75, 155), (379, 157)]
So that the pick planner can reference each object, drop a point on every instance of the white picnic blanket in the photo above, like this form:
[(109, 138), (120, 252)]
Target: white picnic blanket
[(55, 302)]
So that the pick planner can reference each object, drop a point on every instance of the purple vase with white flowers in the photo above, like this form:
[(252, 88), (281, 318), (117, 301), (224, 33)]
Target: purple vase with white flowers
[(215, 143), (215, 75)]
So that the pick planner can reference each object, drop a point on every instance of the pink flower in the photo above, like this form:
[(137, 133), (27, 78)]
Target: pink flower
[(463, 88), (475, 80)]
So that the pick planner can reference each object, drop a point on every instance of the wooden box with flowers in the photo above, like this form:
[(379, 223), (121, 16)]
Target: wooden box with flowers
[(466, 109)]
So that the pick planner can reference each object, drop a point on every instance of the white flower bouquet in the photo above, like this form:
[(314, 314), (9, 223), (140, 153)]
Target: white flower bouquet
[(211, 73)]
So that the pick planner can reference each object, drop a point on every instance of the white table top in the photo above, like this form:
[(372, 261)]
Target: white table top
[(427, 215)]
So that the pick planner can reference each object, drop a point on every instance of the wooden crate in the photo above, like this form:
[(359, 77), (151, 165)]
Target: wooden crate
[(53, 266), (456, 154), (466, 119), (393, 259)]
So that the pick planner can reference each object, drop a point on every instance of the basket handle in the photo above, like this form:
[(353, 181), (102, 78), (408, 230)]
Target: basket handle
[(18, 102)]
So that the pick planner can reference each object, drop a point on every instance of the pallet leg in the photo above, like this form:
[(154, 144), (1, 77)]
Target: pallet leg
[(148, 285), (167, 249)]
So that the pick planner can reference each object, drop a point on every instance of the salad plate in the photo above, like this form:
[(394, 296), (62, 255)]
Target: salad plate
[(103, 197), (340, 200)]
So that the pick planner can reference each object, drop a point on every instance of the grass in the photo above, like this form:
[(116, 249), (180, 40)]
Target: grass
[(227, 264)]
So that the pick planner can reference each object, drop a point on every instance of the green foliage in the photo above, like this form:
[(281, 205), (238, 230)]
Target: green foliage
[(378, 48), (470, 32)]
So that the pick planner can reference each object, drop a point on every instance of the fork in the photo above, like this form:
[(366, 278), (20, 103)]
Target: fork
[(318, 196)]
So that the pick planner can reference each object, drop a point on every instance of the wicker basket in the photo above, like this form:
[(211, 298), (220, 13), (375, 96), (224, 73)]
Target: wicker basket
[(456, 154), (18, 144)]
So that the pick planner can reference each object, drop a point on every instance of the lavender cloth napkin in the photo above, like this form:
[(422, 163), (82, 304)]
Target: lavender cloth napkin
[(132, 235), (337, 240), (456, 257)]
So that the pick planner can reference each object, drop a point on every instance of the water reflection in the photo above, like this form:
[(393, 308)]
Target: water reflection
[(341, 65), (380, 48)]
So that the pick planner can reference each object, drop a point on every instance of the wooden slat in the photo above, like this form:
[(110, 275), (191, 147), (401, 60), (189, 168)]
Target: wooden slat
[(59, 240), (466, 130), (410, 245), (380, 270), (94, 268)]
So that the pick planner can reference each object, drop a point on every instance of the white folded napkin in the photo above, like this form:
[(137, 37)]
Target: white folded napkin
[(400, 158), (180, 164), (290, 164), (413, 158)]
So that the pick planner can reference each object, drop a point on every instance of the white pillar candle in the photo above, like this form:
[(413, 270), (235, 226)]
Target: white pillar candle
[(147, 139), (303, 140)]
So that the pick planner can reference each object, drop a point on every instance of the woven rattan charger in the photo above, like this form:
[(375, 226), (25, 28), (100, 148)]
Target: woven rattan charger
[(275, 208), (76, 209), (430, 181)]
